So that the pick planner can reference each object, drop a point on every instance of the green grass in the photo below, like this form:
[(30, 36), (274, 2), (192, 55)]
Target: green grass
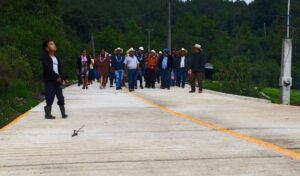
[(273, 94), (16, 100)]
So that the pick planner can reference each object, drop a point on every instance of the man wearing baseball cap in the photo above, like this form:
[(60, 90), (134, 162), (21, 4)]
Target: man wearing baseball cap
[(165, 66)]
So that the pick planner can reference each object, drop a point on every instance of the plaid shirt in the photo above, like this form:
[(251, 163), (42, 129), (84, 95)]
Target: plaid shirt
[(151, 62)]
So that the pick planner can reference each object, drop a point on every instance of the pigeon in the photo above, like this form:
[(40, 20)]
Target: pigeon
[(76, 132)]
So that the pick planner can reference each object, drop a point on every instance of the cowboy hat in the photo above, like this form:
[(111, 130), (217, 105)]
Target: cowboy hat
[(153, 51), (130, 50), (197, 46), (119, 49), (141, 48), (184, 50)]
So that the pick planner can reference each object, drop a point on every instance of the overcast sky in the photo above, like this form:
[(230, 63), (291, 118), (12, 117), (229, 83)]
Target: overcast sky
[(248, 1)]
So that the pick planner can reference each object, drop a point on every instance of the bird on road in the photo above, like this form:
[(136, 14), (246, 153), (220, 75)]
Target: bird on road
[(76, 132)]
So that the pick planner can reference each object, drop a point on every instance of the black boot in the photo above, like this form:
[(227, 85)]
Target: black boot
[(48, 112), (63, 112)]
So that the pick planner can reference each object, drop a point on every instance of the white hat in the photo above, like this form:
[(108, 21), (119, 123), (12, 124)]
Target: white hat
[(185, 50), (153, 51), (119, 49), (141, 48), (160, 52), (197, 46), (130, 50)]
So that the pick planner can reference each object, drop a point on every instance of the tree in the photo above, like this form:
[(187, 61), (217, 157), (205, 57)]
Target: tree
[(79, 22)]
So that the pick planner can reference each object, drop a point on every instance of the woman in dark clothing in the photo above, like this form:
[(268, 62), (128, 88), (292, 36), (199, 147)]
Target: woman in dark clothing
[(53, 78), (83, 64), (103, 67), (111, 74), (91, 71)]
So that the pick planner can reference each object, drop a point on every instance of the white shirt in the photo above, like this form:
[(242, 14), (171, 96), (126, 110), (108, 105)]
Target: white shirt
[(131, 62), (182, 62), (55, 64)]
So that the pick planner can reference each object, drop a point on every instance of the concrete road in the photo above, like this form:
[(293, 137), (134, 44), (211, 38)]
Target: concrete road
[(154, 133)]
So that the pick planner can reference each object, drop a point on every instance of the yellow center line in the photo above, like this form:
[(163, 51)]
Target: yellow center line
[(14, 121), (268, 145)]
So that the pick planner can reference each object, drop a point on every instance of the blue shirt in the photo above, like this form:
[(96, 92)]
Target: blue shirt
[(165, 63)]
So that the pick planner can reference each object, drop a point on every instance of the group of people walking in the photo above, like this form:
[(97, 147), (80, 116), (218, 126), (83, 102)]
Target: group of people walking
[(169, 68)]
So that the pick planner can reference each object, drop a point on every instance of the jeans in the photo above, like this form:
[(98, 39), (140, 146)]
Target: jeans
[(132, 78), (181, 77), (174, 72), (97, 74), (140, 75), (119, 78), (52, 89), (111, 76), (165, 78)]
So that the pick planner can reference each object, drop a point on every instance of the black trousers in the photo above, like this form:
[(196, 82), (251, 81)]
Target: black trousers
[(151, 78), (52, 89), (91, 75), (157, 72), (199, 77)]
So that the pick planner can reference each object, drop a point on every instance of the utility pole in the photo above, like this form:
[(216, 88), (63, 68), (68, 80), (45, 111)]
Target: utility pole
[(149, 30), (285, 81), (288, 19), (169, 26), (93, 46)]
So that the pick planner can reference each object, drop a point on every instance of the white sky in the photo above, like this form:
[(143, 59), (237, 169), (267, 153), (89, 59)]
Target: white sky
[(248, 1)]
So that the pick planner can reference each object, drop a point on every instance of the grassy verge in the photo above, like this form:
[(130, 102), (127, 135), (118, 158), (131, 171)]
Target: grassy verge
[(16, 100), (272, 94)]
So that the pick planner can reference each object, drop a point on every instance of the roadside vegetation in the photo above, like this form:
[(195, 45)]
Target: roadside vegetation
[(272, 94)]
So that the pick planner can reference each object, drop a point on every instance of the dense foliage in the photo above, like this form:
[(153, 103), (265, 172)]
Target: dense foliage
[(24, 25), (231, 32), (242, 41)]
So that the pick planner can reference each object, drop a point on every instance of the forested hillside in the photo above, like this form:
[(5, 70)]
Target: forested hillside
[(231, 33), (242, 41)]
